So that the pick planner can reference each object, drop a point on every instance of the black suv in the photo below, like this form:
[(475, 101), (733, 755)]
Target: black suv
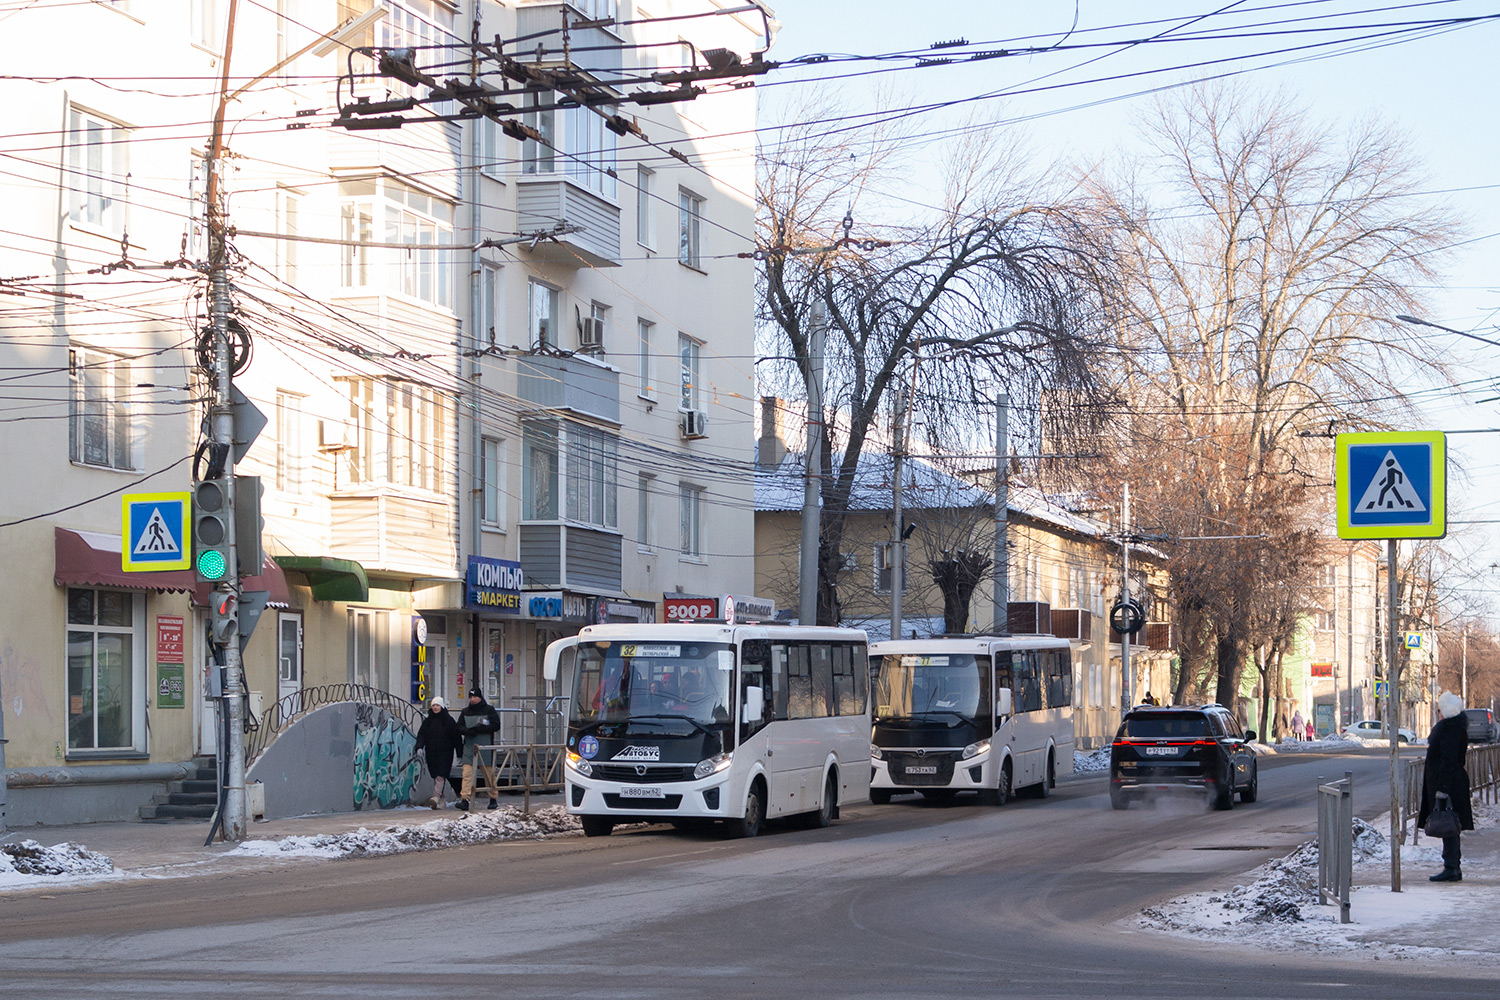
[(1172, 748)]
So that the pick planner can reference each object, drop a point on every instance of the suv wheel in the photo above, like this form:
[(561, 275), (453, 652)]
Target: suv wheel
[(1224, 795), (1251, 791), (1118, 799)]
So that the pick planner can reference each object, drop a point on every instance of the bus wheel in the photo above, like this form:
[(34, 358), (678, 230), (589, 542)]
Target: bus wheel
[(755, 811), (596, 826), (880, 796), (824, 814), (1000, 794), (1050, 781)]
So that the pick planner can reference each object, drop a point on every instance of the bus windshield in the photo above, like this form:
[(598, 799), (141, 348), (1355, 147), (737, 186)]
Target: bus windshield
[(932, 686), (672, 688)]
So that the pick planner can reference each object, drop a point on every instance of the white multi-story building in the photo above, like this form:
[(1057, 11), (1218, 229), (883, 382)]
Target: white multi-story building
[(545, 423)]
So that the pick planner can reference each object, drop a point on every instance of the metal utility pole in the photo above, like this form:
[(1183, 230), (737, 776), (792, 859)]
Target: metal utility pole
[(1002, 514), (1349, 638), (1393, 712), (1126, 675), (898, 543), (812, 486), (221, 423)]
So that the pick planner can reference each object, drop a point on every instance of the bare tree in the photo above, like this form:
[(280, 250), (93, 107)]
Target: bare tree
[(994, 287)]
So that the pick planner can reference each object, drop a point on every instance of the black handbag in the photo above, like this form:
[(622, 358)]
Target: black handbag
[(1442, 821)]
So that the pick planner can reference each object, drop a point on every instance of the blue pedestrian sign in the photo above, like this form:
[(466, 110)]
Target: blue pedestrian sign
[(155, 532), (1382, 688), (1392, 485)]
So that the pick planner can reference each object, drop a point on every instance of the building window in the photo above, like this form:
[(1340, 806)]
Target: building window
[(645, 208), (98, 171), (575, 142), (542, 312), (599, 317), (885, 569), (289, 451), (539, 472), (367, 647), (689, 356), (407, 216), (423, 25), (690, 513), (492, 490), (592, 463), (689, 228), (292, 34), (645, 538), (490, 149), (206, 22), (411, 422), (99, 425), (645, 330), (288, 206), (489, 304), (105, 670)]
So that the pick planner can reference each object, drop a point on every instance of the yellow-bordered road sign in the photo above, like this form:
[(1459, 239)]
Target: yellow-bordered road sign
[(155, 532), (1392, 485)]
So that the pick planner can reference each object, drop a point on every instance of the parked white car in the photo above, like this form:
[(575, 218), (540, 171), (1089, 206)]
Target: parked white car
[(1372, 729)]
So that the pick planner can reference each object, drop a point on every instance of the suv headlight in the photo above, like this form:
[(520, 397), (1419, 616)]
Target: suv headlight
[(578, 764), (713, 765), (974, 749), (876, 753)]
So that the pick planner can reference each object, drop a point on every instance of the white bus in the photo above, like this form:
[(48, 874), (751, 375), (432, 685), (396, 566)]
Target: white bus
[(697, 722), (987, 714)]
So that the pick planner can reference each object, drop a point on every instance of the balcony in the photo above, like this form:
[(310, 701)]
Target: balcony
[(599, 49), (575, 383), (567, 555), (396, 533), (545, 200)]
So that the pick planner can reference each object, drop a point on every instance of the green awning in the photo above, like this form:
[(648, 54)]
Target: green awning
[(331, 579)]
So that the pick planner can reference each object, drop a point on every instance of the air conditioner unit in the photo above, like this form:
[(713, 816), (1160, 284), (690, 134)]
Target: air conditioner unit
[(335, 435), (694, 424), (591, 333)]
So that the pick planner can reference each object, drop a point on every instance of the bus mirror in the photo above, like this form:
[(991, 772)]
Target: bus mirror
[(553, 654), (1002, 702), (754, 700)]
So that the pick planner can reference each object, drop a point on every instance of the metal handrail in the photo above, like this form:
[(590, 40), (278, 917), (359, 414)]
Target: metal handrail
[(1483, 765), (287, 710), (1336, 842), (530, 767)]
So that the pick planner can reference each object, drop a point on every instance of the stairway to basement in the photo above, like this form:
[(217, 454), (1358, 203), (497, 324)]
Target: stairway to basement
[(193, 798)]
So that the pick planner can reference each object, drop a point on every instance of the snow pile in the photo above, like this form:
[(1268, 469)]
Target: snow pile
[(508, 823), (29, 863), (1091, 761), (1263, 749), (1332, 743)]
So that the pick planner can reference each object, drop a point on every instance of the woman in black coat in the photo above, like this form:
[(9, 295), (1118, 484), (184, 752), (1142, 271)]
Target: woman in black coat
[(440, 738), (1444, 771)]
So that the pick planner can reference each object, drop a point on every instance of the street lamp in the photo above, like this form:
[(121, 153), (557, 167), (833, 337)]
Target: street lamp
[(1446, 329)]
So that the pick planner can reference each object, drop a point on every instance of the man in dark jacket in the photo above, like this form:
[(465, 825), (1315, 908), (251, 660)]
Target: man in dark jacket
[(1444, 771), (478, 723), (439, 737)]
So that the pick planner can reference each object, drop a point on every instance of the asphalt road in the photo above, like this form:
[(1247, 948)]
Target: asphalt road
[(910, 900)]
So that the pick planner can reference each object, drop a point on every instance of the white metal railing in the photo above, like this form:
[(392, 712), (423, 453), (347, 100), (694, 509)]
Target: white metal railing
[(1336, 842)]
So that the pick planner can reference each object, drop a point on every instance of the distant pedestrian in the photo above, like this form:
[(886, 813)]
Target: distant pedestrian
[(1310, 733), (1297, 725), (478, 722), (1444, 771), (1150, 699), (439, 737)]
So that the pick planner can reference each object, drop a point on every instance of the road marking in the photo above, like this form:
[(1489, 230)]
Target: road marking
[(663, 857)]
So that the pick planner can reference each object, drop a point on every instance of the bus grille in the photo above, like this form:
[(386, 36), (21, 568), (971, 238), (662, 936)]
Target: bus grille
[(901, 767), (654, 774)]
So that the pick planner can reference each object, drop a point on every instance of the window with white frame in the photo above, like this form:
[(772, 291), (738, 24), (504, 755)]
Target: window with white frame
[(492, 487), (599, 315), (575, 143), (106, 669), (206, 23), (645, 208), (100, 429), (489, 305), (539, 472), (288, 207), (596, 10), (885, 570), (416, 24), (645, 537), (645, 333), (292, 35), (400, 434), (689, 357), (402, 214), (290, 454), (98, 179), (491, 149), (690, 517), (368, 649), (592, 458), (542, 314), (689, 228)]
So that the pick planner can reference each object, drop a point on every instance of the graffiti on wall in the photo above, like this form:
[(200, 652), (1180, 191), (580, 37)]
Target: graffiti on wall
[(386, 767)]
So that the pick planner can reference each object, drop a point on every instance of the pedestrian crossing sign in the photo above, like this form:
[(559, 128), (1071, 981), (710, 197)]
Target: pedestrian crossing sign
[(155, 530), (1392, 485)]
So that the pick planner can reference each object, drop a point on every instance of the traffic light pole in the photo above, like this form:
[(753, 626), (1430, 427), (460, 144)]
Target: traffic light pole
[(221, 425)]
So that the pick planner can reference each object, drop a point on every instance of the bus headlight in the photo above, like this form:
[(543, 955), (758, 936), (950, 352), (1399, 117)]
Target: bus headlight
[(876, 753), (713, 765), (578, 764), (975, 749)]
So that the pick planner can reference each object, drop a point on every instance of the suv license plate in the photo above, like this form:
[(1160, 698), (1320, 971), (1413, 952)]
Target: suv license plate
[(922, 769), (642, 792), (1163, 751)]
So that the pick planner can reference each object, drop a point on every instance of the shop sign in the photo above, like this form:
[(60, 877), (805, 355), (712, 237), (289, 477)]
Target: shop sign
[(754, 608), (687, 609), (559, 606), (494, 585), (170, 687), (170, 646), (1322, 670), (680, 608), (608, 609)]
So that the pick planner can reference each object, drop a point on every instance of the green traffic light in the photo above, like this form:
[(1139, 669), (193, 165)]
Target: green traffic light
[(211, 564)]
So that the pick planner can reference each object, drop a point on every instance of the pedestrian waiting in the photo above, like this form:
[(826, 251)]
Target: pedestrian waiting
[(1446, 811)]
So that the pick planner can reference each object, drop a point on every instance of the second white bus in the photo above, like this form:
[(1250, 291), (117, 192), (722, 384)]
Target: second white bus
[(698, 722), (986, 714)]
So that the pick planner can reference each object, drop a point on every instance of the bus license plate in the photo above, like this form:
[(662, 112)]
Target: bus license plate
[(922, 769), (642, 792)]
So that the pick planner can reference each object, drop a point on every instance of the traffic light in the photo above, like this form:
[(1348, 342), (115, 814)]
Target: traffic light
[(248, 524), (211, 555), (224, 618)]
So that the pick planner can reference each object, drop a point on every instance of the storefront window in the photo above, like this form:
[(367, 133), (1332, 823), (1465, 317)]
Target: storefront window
[(102, 664)]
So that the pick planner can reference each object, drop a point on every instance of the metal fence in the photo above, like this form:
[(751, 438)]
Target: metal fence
[(294, 706), (1483, 765), (1336, 842), (533, 767)]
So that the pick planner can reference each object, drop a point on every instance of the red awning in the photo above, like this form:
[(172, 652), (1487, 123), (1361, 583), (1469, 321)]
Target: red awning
[(92, 559)]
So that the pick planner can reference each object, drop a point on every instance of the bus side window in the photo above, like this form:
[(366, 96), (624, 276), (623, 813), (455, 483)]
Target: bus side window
[(798, 682), (755, 663), (1003, 678), (779, 680), (862, 680), (1057, 679), (1028, 682), (846, 696), (821, 705)]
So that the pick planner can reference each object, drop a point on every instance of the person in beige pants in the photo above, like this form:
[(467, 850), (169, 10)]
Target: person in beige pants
[(478, 722)]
